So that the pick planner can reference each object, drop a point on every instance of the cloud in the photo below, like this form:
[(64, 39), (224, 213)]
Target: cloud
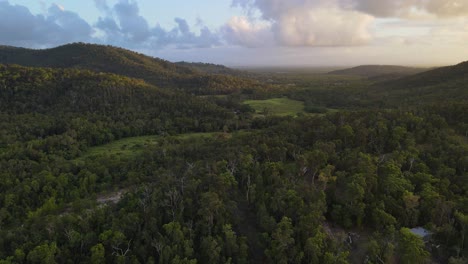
[(448, 8), (59, 7), (313, 23), (71, 26), (19, 27), (407, 8), (300, 27), (385, 8), (102, 5), (240, 31), (120, 24), (132, 25), (309, 22), (124, 26)]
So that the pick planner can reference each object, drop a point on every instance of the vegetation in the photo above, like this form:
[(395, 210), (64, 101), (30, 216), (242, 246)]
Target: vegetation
[(443, 85), (277, 106), (132, 146), (203, 180), (379, 72), (124, 62)]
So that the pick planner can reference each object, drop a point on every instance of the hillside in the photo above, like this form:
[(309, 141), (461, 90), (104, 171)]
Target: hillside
[(448, 84), (120, 61), (379, 72), (107, 101), (443, 75), (208, 68), (93, 57)]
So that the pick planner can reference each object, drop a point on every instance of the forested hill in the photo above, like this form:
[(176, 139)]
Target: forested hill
[(119, 105), (379, 72), (120, 61), (447, 84), (209, 68), (440, 76), (92, 57)]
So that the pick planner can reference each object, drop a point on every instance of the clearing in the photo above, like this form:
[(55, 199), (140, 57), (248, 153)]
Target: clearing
[(129, 147), (277, 106)]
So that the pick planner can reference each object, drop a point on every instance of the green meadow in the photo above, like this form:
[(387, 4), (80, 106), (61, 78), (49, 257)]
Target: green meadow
[(277, 106), (129, 147)]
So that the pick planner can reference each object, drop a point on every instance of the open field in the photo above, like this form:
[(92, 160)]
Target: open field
[(277, 106), (128, 147)]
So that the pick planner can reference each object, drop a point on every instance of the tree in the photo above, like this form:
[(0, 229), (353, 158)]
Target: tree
[(282, 242), (462, 220), (43, 254), (411, 248), (97, 254), (210, 250), (315, 246)]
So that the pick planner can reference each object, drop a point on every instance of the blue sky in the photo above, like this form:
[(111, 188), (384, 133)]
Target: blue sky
[(213, 12), (250, 32)]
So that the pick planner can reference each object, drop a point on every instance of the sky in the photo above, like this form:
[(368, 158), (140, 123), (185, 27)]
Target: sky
[(251, 32)]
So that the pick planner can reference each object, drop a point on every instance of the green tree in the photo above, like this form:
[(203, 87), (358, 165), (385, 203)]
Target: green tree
[(411, 248), (44, 254), (98, 254), (282, 242)]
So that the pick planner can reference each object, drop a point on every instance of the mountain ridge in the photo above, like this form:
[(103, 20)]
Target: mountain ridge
[(379, 72), (445, 84), (124, 62)]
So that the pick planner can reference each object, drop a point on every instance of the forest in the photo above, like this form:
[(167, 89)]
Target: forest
[(110, 156)]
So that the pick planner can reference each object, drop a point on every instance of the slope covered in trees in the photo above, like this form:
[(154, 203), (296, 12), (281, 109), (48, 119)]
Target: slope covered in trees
[(379, 71), (210, 68), (451, 74), (128, 63), (446, 84), (119, 105)]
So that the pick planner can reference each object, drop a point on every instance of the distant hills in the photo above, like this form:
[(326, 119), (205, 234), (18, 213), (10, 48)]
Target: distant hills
[(379, 72), (192, 78), (441, 84), (440, 76), (390, 84), (209, 68)]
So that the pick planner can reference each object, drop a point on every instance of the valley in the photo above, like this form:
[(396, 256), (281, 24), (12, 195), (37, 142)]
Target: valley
[(161, 162)]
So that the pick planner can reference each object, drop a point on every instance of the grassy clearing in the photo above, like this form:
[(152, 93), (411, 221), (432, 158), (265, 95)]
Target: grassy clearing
[(129, 147), (277, 106), (125, 147)]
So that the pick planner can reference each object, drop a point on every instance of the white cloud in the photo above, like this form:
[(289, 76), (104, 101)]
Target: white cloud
[(240, 31), (312, 22), (323, 27)]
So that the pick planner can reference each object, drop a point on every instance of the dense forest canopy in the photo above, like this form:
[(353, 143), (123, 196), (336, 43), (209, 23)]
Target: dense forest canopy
[(109, 156)]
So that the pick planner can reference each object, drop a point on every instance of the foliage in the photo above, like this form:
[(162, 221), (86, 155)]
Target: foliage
[(277, 106), (202, 180)]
